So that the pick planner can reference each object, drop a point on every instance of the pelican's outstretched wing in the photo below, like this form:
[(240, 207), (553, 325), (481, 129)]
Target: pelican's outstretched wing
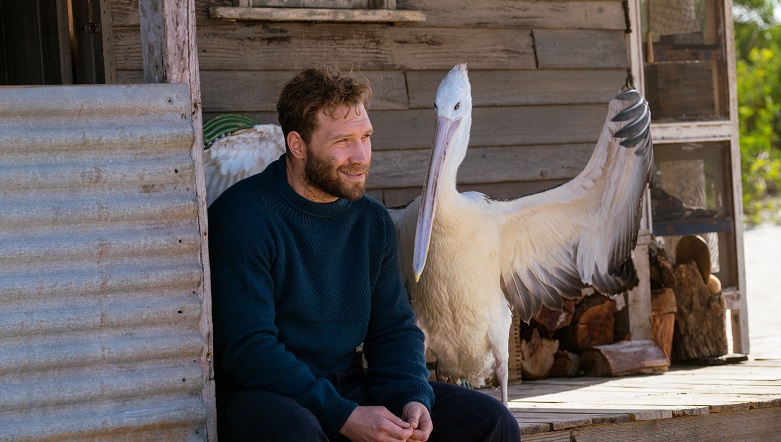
[(583, 232), (239, 155)]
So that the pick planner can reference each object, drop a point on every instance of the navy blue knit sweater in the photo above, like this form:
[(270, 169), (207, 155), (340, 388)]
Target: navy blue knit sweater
[(297, 286)]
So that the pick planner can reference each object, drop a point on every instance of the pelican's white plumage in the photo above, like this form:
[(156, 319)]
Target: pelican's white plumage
[(464, 255), (239, 155)]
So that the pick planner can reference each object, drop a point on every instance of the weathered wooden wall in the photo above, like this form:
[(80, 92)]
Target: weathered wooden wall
[(541, 72)]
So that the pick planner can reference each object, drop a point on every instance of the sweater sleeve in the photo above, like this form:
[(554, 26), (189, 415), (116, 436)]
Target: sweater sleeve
[(394, 345), (245, 335)]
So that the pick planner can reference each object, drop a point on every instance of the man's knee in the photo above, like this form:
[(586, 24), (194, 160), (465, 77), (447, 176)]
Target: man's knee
[(258, 415), (461, 414)]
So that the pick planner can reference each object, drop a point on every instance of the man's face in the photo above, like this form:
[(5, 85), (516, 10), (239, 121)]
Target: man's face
[(339, 153)]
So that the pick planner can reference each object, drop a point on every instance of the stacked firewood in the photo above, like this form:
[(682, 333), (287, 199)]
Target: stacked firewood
[(590, 336), (582, 339)]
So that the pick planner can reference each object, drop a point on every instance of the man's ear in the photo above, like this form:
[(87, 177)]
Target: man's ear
[(296, 145)]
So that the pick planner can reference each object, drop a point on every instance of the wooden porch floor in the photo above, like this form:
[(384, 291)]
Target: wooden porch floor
[(735, 402)]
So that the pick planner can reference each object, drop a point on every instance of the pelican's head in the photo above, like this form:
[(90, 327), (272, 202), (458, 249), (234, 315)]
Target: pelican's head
[(453, 106)]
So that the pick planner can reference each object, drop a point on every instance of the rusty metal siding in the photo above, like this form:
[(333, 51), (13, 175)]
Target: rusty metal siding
[(100, 266)]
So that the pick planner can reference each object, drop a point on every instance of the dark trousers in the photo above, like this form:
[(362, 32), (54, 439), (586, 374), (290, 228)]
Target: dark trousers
[(459, 414)]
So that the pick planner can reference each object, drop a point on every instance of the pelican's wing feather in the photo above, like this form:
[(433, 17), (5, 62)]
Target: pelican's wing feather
[(581, 233), (239, 155)]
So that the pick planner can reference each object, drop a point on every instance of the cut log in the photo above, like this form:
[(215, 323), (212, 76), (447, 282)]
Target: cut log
[(624, 358), (565, 364), (537, 355), (552, 320), (661, 268), (693, 248), (700, 322), (663, 308), (714, 285), (592, 323)]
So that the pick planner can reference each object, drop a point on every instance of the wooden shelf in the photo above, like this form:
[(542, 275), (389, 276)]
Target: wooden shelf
[(693, 226), (316, 15)]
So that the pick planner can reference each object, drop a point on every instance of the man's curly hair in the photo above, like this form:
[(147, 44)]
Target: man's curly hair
[(313, 90)]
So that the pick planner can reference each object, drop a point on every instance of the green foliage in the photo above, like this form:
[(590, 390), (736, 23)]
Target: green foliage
[(758, 53)]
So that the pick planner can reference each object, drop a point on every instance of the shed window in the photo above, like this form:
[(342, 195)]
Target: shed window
[(361, 11)]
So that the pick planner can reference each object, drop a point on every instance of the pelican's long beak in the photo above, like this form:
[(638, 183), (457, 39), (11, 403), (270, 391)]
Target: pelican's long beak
[(443, 139)]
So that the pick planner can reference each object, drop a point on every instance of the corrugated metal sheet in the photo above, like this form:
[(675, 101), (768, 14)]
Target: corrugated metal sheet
[(100, 268)]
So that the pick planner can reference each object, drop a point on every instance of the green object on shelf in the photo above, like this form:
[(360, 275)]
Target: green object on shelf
[(225, 124)]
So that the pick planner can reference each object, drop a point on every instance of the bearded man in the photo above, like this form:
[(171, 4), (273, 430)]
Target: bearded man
[(304, 271)]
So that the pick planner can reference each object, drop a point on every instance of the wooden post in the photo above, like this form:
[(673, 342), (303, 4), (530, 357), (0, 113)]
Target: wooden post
[(639, 299), (168, 39)]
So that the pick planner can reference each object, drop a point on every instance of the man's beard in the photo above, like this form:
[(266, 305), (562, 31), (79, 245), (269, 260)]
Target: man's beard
[(322, 174)]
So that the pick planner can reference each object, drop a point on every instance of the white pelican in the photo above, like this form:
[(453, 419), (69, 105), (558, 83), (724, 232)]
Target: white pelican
[(464, 255), (241, 154)]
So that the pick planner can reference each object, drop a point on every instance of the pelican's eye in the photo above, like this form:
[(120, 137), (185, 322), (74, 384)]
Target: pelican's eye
[(435, 105), (457, 106)]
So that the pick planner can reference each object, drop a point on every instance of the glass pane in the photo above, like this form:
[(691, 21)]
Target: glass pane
[(692, 195), (685, 59)]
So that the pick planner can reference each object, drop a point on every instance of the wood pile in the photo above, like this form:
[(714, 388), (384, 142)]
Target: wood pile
[(587, 338), (699, 331), (580, 340)]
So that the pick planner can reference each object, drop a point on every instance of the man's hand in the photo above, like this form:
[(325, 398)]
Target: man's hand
[(376, 424), (416, 414)]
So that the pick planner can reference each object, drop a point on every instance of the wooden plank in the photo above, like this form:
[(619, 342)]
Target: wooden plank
[(580, 49), (558, 436), (129, 77), (450, 13), (523, 87), (107, 41), (639, 298), (172, 57), (154, 41), (659, 401), (739, 316), (316, 15), (523, 14), (755, 425), (632, 411), (63, 42), (505, 126), (368, 47), (533, 428), (562, 420), (593, 417), (246, 92), (395, 197), (407, 168), (344, 4), (124, 13)]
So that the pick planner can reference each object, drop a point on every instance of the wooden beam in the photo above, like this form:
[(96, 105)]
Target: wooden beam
[(370, 47), (107, 34), (168, 38), (64, 42), (317, 15), (639, 298)]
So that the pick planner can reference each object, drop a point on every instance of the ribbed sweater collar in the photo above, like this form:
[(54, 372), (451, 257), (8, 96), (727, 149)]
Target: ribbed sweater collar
[(298, 202)]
